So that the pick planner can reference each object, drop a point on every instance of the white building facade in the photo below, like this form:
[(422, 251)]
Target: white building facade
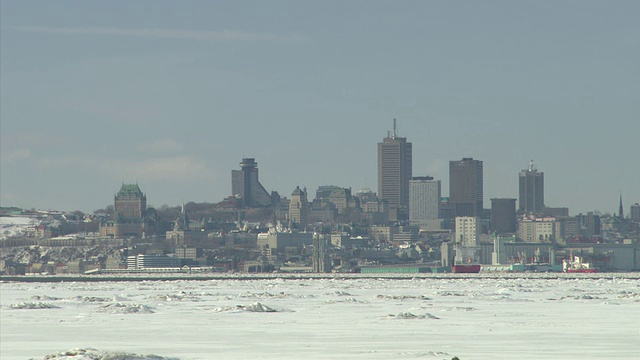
[(533, 229), (467, 231), (424, 200)]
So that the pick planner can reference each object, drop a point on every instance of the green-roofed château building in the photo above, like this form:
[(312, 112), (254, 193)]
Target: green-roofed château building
[(130, 202), (130, 211)]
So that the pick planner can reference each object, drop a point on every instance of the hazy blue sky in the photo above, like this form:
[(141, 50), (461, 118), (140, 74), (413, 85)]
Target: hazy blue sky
[(172, 94)]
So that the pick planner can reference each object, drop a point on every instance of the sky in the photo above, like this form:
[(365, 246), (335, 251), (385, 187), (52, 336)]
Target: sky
[(173, 94)]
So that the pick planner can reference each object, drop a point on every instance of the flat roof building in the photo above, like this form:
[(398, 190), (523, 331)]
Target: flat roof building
[(424, 199), (503, 216), (466, 187), (531, 183)]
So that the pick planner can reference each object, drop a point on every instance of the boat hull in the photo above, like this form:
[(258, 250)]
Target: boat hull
[(582, 270), (466, 269)]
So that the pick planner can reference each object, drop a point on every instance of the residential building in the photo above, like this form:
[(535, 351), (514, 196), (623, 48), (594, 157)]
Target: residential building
[(467, 231), (466, 187), (190, 253), (537, 229), (273, 244), (592, 224), (566, 227), (374, 210), (343, 200), (383, 234)]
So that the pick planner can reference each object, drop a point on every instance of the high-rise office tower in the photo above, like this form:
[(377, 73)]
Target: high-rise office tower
[(394, 169), (531, 190), (245, 183), (465, 187), (635, 212), (424, 199), (503, 216)]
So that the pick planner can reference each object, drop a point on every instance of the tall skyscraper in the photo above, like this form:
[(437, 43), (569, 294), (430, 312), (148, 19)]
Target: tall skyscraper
[(245, 183), (503, 216), (394, 169), (531, 190), (424, 199), (635, 212), (466, 187)]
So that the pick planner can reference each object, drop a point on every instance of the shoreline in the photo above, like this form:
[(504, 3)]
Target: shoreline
[(346, 276)]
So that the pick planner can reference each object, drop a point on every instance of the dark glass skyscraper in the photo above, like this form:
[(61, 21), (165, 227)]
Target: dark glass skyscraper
[(531, 190), (503, 216), (466, 187), (394, 169)]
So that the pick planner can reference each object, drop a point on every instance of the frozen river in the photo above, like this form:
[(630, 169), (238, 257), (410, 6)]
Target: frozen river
[(428, 318)]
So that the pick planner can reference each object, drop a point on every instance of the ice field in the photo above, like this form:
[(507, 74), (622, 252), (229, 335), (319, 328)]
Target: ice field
[(591, 317)]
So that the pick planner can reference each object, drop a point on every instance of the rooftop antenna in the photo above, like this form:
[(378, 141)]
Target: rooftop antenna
[(395, 134)]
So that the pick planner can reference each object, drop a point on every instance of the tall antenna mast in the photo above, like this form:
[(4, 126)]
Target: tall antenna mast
[(395, 134)]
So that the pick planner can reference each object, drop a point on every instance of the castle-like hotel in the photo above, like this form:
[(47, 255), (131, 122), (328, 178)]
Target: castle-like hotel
[(130, 214)]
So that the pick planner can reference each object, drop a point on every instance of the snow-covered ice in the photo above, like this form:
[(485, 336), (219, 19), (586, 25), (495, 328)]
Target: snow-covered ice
[(591, 317)]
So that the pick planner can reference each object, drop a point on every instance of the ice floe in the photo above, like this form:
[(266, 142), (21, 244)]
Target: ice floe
[(408, 315), (33, 305), (402, 297), (120, 308), (94, 354), (255, 307)]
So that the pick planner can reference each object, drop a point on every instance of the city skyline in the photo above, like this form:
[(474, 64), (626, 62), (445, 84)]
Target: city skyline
[(91, 99)]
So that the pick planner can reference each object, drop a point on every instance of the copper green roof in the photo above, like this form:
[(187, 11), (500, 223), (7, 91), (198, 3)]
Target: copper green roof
[(130, 189)]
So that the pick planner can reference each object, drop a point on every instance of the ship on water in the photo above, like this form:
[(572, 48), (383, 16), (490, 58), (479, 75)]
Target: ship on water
[(466, 268), (467, 251), (465, 260), (576, 264)]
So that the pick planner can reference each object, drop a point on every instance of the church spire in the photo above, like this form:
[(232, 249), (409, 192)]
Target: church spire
[(621, 209)]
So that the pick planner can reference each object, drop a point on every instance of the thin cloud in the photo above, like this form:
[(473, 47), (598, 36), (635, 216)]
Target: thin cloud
[(160, 146), (15, 156), (151, 169), (225, 35), (176, 168)]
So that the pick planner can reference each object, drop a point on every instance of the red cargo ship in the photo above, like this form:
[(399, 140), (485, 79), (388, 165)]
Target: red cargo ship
[(466, 268)]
